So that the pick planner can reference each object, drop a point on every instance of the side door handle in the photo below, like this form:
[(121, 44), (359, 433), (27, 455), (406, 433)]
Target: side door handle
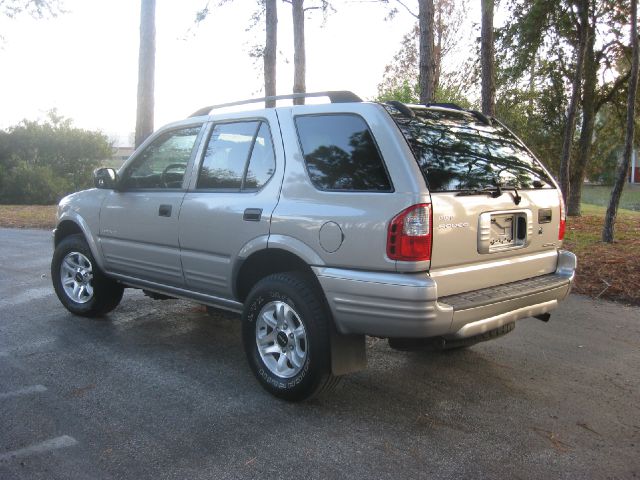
[(164, 210), (252, 215)]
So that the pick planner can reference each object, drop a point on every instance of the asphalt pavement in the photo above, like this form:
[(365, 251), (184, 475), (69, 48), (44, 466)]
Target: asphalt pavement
[(161, 390)]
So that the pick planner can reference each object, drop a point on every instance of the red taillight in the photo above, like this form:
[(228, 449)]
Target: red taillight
[(563, 218), (409, 234)]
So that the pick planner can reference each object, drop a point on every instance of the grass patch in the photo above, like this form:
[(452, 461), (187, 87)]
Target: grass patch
[(28, 216), (599, 195)]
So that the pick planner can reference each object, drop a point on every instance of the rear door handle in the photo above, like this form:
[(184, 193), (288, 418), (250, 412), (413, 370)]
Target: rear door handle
[(164, 210), (252, 215)]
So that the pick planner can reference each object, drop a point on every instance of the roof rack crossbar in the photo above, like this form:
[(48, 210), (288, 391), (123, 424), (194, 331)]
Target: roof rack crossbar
[(335, 96)]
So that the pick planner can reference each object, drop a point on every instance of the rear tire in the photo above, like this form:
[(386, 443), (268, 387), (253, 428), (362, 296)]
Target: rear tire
[(79, 284), (286, 337)]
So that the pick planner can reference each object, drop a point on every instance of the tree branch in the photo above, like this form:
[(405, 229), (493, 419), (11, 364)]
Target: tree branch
[(605, 98), (602, 52), (407, 8)]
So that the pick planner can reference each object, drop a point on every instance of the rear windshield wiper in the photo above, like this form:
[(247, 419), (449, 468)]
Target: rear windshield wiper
[(495, 193), (516, 196)]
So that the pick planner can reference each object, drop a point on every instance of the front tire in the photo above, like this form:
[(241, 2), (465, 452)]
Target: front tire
[(79, 284), (286, 337)]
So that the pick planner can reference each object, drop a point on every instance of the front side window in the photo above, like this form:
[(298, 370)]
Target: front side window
[(162, 164), (239, 156), (341, 154)]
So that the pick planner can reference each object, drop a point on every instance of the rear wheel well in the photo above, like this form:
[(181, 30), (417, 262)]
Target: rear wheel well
[(264, 263), (64, 229)]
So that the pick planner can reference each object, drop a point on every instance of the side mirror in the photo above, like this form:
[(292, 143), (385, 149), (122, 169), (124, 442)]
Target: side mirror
[(106, 178)]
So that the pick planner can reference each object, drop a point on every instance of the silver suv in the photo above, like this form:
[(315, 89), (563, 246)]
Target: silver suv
[(432, 226)]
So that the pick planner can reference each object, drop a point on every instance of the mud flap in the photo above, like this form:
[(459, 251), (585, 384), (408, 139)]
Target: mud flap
[(348, 353)]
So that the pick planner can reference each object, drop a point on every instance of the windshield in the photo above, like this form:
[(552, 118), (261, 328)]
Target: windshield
[(456, 151)]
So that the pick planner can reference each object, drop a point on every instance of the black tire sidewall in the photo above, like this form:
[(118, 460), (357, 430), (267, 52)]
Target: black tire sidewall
[(103, 291), (309, 309)]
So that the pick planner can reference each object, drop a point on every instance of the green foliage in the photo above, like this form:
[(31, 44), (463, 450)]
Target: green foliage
[(405, 92), (536, 55), (535, 113), (609, 143), (40, 162), (447, 92), (37, 185)]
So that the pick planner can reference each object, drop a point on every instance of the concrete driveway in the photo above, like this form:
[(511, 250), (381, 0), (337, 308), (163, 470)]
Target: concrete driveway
[(159, 389)]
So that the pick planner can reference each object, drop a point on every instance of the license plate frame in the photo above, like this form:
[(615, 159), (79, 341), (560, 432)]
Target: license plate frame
[(500, 231)]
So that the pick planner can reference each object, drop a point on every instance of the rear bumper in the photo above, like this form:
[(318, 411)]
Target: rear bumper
[(407, 305)]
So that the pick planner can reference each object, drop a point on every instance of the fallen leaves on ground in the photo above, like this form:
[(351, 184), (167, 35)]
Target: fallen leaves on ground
[(28, 216), (606, 270)]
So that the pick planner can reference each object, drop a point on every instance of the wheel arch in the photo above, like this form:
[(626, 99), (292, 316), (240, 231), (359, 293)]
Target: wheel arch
[(64, 229), (73, 224), (263, 263), (285, 254)]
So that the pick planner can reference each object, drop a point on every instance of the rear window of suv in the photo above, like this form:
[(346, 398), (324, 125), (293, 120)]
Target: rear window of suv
[(456, 152), (340, 153)]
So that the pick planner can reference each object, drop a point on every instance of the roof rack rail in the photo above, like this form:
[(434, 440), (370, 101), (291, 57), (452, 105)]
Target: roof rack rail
[(402, 108), (481, 116), (453, 106), (335, 96)]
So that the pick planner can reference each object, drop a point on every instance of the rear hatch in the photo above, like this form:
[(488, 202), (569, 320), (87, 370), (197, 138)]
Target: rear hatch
[(496, 210)]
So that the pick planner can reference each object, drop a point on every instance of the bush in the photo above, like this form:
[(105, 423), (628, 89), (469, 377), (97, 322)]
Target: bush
[(33, 185), (40, 162)]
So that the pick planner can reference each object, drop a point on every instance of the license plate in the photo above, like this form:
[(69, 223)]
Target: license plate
[(502, 232)]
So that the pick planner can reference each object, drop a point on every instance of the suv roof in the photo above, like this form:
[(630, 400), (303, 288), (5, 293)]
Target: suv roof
[(344, 96)]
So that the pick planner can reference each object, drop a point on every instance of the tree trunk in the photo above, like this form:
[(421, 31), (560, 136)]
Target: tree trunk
[(299, 55), (487, 58), (579, 166), (427, 67), (146, 71), (439, 29), (570, 126), (623, 169), (270, 50)]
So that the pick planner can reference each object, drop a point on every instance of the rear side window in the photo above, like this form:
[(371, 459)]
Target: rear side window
[(457, 152), (340, 153), (262, 163), (239, 156), (226, 155)]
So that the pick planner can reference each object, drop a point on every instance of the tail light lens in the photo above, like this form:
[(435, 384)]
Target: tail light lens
[(409, 235), (563, 217)]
